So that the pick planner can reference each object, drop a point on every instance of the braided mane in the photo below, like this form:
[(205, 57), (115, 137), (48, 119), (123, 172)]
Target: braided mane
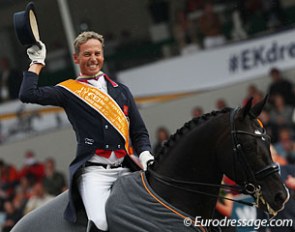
[(186, 128)]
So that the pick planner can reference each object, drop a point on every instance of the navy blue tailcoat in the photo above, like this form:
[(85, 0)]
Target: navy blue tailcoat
[(91, 129)]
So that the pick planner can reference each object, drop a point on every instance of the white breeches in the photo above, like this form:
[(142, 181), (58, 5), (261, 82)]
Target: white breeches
[(95, 185)]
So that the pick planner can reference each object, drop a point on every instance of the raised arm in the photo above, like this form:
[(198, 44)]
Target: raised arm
[(29, 90), (36, 68)]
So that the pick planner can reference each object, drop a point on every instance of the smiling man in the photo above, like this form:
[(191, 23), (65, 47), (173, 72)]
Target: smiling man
[(105, 119), (89, 54)]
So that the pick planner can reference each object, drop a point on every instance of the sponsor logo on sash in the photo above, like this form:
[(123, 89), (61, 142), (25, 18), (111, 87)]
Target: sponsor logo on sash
[(103, 104)]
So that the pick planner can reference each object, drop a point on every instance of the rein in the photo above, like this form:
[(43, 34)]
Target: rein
[(248, 187), (171, 181)]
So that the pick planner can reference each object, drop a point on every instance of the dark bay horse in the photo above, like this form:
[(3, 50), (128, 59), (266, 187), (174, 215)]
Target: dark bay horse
[(185, 178)]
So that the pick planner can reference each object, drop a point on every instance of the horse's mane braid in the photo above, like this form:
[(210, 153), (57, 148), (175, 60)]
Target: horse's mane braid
[(187, 127)]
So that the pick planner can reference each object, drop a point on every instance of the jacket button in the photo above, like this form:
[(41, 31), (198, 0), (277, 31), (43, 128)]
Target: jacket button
[(107, 146), (106, 126), (119, 146)]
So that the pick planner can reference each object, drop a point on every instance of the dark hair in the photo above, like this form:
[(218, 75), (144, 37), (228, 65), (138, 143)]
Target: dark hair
[(274, 71)]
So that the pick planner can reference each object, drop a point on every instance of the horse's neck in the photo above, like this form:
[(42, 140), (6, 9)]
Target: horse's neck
[(190, 203), (189, 161)]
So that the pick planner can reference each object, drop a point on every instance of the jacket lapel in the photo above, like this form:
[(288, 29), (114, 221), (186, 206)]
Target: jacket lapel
[(113, 91)]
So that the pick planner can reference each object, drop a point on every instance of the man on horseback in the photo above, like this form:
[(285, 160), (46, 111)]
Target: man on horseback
[(105, 119)]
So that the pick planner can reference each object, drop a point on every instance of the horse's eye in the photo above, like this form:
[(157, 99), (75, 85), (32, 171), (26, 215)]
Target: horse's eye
[(263, 131)]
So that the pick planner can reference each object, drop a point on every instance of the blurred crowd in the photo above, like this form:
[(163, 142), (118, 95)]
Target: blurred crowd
[(193, 25), (278, 119), (174, 29), (203, 24), (28, 188)]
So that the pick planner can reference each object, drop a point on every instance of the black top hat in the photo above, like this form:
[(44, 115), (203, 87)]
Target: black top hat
[(26, 25)]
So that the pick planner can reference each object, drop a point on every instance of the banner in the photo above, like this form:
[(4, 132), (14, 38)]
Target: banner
[(213, 68)]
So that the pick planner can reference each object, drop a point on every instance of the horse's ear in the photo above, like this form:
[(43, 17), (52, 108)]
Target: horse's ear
[(246, 109), (256, 110)]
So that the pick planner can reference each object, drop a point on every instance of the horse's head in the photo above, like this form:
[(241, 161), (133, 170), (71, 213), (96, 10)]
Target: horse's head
[(251, 163)]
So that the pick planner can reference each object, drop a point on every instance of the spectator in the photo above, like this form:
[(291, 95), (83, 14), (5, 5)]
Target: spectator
[(12, 216), (276, 157), (185, 33), (9, 179), (242, 10), (162, 135), (39, 198), (19, 201), (32, 169), (193, 6), (253, 17), (281, 86), (25, 186), (270, 127), (286, 145), (255, 93), (159, 10), (210, 27), (223, 206), (273, 13), (220, 104), (54, 181), (197, 112), (10, 81), (223, 209), (281, 114), (290, 182), (238, 32)]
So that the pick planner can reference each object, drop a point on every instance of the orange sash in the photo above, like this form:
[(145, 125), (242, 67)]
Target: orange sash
[(103, 104)]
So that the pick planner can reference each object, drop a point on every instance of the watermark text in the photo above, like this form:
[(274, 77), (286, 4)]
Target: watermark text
[(228, 222)]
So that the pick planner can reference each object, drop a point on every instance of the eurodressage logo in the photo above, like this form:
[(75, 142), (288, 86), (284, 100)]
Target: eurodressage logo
[(242, 224), (256, 57)]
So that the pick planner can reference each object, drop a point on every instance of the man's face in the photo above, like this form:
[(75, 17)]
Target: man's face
[(90, 58)]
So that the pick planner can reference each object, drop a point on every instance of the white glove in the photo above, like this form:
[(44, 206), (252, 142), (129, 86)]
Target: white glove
[(144, 157), (37, 54)]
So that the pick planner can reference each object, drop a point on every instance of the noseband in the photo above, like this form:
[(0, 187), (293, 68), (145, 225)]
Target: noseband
[(250, 186)]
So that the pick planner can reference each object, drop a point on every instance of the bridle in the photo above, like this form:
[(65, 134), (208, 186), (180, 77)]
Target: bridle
[(250, 186)]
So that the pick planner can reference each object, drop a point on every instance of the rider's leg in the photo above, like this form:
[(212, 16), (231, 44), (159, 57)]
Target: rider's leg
[(95, 185)]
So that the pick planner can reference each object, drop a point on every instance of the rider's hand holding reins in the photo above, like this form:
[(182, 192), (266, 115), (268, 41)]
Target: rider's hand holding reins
[(144, 158)]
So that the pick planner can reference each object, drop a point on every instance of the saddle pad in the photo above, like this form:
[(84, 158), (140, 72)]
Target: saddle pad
[(131, 208)]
